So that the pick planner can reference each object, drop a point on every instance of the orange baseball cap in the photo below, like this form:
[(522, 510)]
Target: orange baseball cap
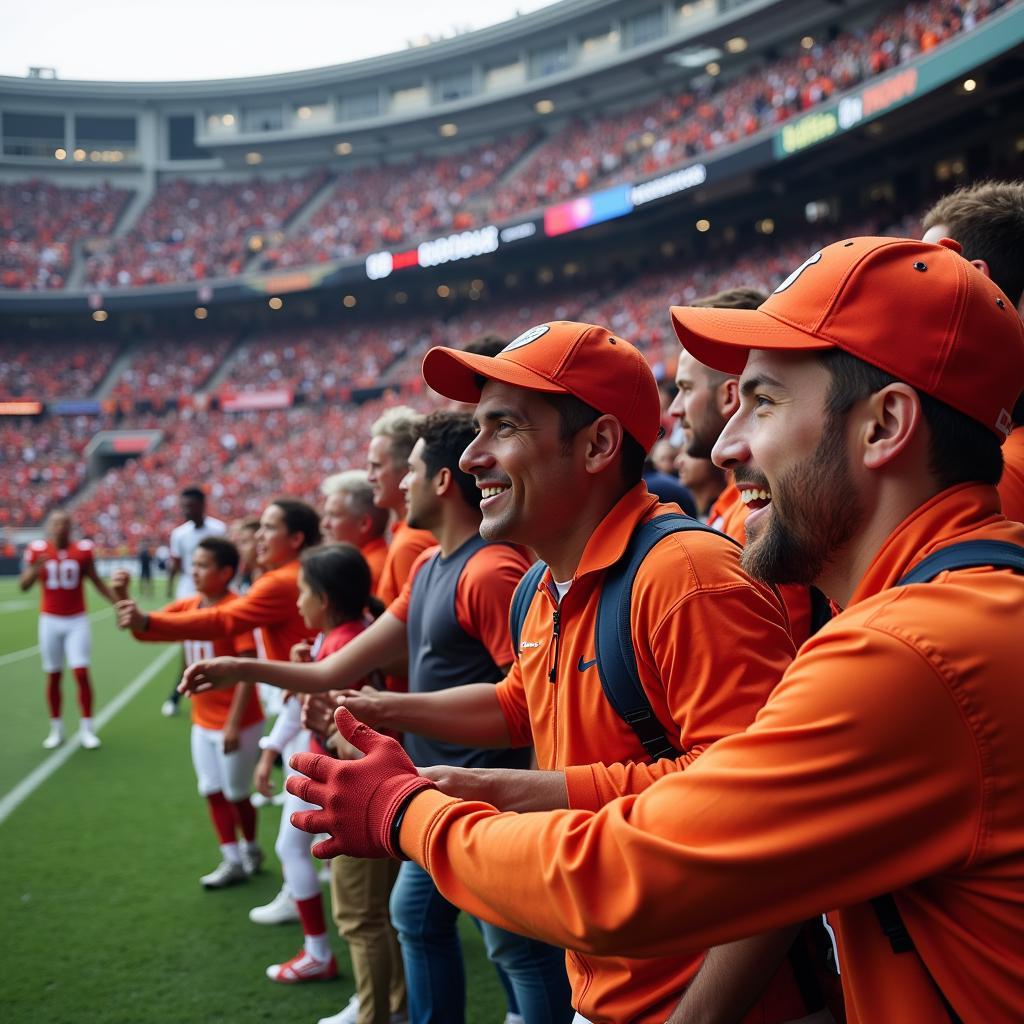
[(920, 312), (561, 357)]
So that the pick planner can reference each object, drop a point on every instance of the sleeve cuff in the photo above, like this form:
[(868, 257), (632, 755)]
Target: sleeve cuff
[(581, 788), (424, 807)]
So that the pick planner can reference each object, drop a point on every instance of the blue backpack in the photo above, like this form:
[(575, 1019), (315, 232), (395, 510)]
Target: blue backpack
[(613, 639)]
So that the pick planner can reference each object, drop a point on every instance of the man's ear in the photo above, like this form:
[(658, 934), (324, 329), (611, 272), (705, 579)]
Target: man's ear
[(891, 423), (982, 265), (727, 397), (604, 439), (443, 481)]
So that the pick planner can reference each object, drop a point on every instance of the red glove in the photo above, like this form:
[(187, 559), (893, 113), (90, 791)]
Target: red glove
[(360, 799)]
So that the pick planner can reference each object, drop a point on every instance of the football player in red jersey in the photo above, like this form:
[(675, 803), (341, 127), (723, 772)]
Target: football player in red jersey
[(61, 565)]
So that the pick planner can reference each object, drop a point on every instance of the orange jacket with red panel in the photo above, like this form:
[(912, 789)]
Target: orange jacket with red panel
[(889, 759), (376, 554), (210, 710), (267, 608), (710, 644), (1011, 487)]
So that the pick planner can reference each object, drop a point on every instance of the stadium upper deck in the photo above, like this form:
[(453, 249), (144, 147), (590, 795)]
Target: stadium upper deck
[(642, 96)]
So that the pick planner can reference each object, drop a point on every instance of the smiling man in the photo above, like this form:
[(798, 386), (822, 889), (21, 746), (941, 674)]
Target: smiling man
[(565, 415), (883, 776)]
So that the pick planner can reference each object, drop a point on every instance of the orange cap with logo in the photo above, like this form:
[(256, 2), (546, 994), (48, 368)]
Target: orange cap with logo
[(920, 312), (561, 357)]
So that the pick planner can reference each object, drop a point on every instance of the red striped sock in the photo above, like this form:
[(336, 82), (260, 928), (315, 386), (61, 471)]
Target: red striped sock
[(84, 691), (311, 914), (245, 815), (223, 817), (53, 693)]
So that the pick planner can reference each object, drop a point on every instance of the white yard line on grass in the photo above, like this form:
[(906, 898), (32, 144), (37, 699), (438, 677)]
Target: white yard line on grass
[(24, 789), (27, 652)]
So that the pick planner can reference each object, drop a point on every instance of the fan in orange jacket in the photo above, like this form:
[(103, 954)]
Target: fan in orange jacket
[(540, 487), (890, 759), (287, 527)]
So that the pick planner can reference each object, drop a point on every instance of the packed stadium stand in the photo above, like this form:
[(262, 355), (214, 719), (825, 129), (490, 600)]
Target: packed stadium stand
[(249, 405)]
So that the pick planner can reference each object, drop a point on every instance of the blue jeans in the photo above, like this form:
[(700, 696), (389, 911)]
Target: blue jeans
[(434, 973)]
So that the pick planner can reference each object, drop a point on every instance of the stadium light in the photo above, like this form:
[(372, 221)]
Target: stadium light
[(79, 154), (765, 226), (401, 298), (304, 113), (544, 106), (448, 129), (703, 225), (200, 312), (443, 291), (343, 148), (60, 154), (99, 315), (970, 85), (713, 69), (228, 120), (275, 302), (349, 302), (736, 45), (253, 158), (807, 42)]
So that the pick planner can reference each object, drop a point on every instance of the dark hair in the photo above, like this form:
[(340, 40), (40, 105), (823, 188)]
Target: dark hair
[(250, 523), (193, 492), (225, 554), (300, 518), (987, 220), (574, 415), (486, 345), (339, 574), (445, 436), (732, 298), (960, 449)]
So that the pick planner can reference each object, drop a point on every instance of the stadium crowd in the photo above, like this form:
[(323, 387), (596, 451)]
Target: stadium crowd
[(40, 224), (153, 380), (191, 231), (63, 368), (849, 461)]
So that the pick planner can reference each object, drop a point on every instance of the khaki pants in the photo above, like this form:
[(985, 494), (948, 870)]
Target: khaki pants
[(360, 889)]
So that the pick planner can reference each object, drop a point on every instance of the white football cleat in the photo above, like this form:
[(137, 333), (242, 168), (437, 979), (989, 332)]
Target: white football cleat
[(89, 739), (169, 708), (224, 874), (280, 910), (55, 739), (252, 859), (348, 1014)]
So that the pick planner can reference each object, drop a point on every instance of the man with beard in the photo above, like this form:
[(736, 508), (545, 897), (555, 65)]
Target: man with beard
[(883, 776), (703, 404), (565, 414)]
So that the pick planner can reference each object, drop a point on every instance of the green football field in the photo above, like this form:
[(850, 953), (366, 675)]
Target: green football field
[(102, 917)]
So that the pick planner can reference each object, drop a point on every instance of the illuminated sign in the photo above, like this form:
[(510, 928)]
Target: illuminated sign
[(458, 247), (242, 401), (517, 232), (77, 407), (669, 184), (587, 210), (809, 130), (20, 408)]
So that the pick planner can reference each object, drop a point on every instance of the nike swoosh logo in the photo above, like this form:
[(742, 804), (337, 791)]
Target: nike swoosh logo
[(584, 665)]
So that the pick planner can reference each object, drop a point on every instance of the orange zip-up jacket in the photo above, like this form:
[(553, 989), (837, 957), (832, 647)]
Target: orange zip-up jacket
[(889, 759), (376, 554), (729, 515), (267, 608), (210, 710), (710, 644), (1011, 487), (406, 545)]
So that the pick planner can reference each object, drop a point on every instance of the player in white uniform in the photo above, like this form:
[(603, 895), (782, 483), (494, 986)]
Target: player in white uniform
[(61, 566), (184, 541)]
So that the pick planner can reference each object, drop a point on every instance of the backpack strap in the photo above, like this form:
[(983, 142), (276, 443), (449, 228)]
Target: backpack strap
[(968, 554), (521, 601), (613, 637)]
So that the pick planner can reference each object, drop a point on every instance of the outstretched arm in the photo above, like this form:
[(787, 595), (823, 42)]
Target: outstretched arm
[(373, 647), (98, 583), (29, 575)]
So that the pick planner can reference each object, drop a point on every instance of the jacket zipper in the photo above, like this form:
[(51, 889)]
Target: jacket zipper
[(556, 634)]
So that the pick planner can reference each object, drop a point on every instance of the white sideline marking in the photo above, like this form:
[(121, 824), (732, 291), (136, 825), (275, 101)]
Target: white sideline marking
[(27, 652), (24, 789)]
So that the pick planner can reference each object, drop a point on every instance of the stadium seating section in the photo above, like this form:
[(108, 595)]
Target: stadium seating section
[(191, 230)]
